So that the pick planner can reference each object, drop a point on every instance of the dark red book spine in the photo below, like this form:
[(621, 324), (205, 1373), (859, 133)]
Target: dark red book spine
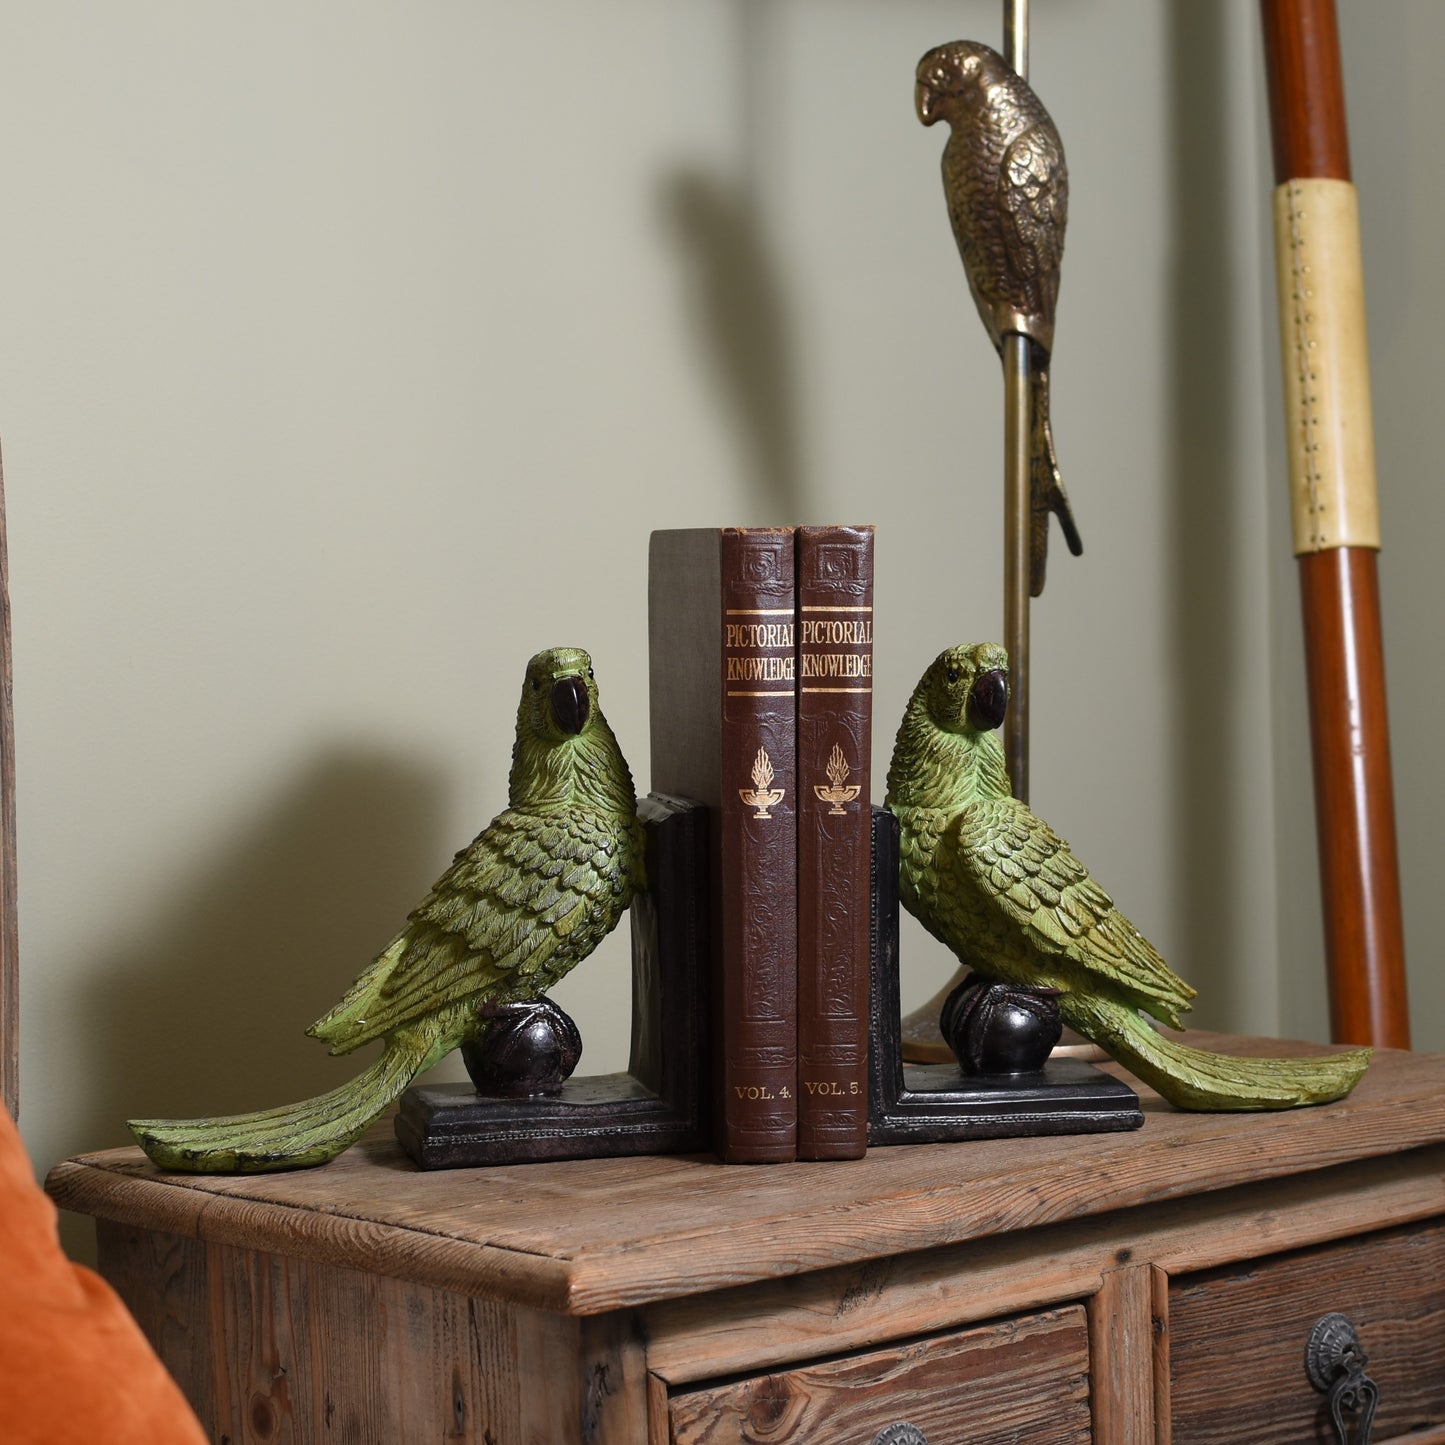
[(835, 712), (759, 847)]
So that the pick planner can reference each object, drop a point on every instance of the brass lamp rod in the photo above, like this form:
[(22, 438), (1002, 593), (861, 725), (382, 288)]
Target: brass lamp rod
[(1017, 495), (1016, 35)]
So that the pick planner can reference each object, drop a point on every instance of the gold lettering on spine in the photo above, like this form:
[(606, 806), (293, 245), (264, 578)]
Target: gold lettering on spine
[(760, 669), (760, 636), (826, 632), (746, 649), (822, 633), (836, 664)]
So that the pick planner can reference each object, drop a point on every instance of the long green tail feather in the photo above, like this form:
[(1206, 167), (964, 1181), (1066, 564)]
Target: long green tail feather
[(1192, 1078), (290, 1137)]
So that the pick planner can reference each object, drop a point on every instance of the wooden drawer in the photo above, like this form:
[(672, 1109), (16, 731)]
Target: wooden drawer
[(1020, 1379), (1237, 1339)]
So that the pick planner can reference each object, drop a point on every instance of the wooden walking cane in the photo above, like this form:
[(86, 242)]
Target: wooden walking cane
[(1336, 527)]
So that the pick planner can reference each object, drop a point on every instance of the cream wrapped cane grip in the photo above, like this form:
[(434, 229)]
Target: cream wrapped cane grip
[(1331, 439)]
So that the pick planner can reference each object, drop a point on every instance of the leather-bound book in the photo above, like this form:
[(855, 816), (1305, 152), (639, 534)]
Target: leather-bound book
[(835, 736), (722, 662)]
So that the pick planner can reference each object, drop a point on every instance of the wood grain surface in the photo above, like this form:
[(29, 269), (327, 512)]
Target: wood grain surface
[(1159, 1325), (271, 1349), (1238, 1334), (590, 1236), (858, 1306), (1121, 1345), (1025, 1379)]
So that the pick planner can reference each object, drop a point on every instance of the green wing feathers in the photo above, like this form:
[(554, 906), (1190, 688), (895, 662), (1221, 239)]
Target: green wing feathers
[(1034, 879), (528, 898), (1003, 890)]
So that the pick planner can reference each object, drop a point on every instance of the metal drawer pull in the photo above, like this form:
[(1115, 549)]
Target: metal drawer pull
[(1336, 1364), (901, 1434)]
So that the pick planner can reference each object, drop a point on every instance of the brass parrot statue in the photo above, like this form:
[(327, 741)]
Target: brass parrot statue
[(1007, 189), (518, 908), (1000, 888)]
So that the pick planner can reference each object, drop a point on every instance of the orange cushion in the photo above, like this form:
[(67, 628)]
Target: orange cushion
[(74, 1366)]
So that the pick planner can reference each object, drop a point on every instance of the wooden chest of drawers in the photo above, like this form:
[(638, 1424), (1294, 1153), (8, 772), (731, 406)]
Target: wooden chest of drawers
[(1136, 1288)]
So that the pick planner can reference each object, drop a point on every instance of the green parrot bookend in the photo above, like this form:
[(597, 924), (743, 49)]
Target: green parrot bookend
[(517, 909), (1005, 893)]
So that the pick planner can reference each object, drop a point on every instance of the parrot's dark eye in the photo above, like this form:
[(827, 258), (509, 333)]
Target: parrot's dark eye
[(953, 674), (591, 674), (536, 685)]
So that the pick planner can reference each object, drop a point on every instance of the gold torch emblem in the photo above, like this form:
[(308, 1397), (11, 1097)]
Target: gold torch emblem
[(762, 795), (838, 791)]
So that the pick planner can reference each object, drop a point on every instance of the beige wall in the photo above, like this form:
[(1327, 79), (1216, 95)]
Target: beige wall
[(350, 351)]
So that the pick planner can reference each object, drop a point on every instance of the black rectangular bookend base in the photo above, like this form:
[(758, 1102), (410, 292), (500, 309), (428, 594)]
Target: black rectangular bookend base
[(451, 1126), (660, 1106), (930, 1103), (939, 1102)]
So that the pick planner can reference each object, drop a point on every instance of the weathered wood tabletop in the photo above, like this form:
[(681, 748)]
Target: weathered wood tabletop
[(591, 1236)]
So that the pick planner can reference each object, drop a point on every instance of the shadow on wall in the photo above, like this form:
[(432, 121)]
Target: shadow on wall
[(207, 1014), (1202, 524), (737, 302), (738, 317)]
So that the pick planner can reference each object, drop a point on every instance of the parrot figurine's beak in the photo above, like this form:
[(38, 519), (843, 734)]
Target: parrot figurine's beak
[(570, 704), (988, 700), (923, 99)]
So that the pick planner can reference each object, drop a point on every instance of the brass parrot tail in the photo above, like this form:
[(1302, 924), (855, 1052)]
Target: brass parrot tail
[(1046, 486), (290, 1137), (1196, 1079)]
